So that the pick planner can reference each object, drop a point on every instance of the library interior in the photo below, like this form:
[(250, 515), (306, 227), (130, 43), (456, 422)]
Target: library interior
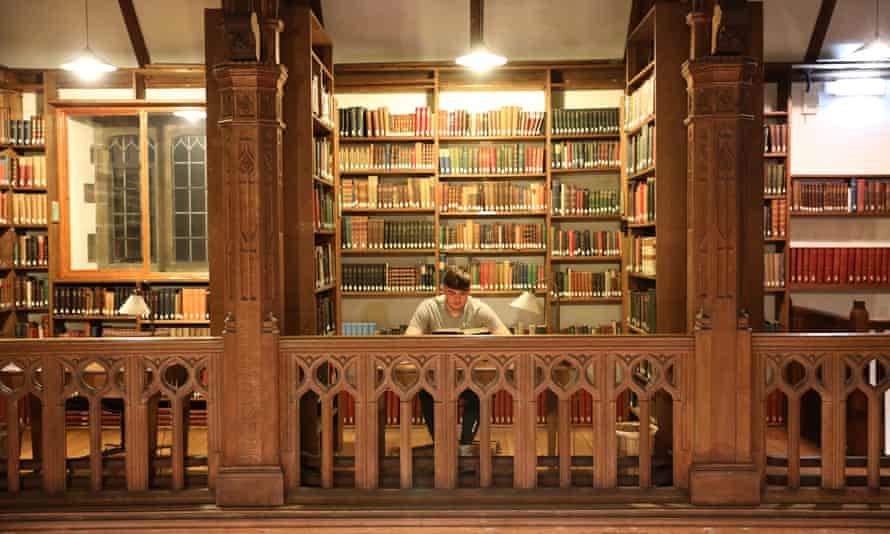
[(652, 237)]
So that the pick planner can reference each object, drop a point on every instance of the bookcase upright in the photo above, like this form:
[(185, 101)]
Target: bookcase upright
[(655, 155)]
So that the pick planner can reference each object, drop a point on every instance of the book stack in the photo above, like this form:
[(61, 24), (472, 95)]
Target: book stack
[(585, 155), (641, 201), (21, 131), (642, 255), (31, 292), (491, 197), (359, 121), (7, 291), (325, 269), (585, 242), (640, 104), (505, 121), (775, 138), (642, 310), (774, 218), (855, 195), (22, 171), (850, 266), (371, 193), (80, 300), (491, 275), (325, 316), (641, 149), (324, 158), (323, 204), (585, 121), (383, 277), (774, 184), (178, 303), (774, 269), (504, 158)]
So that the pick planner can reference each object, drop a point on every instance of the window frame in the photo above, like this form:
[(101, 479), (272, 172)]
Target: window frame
[(62, 260)]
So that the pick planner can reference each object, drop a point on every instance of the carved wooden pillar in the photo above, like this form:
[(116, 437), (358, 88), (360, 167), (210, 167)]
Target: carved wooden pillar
[(250, 131), (721, 140)]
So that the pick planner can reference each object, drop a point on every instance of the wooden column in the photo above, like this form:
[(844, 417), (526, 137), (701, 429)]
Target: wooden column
[(722, 142), (250, 144)]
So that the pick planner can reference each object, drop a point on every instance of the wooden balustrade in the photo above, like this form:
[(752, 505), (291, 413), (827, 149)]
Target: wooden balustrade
[(316, 372), (132, 377), (838, 440)]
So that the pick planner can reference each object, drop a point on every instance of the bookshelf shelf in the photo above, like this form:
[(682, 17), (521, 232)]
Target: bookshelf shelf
[(774, 239), (512, 176), (388, 251), (774, 197), (773, 289), (378, 294), (641, 225), (325, 232), (473, 214), (586, 170), (582, 137), (644, 73), (582, 218), (361, 172), (39, 309), (30, 268), (586, 300), (775, 155), (641, 276), (586, 259), (172, 322), (866, 214), (638, 126), (459, 138), (322, 181), (637, 330), (387, 139), (321, 127), (643, 174), (388, 211), (75, 317), (494, 252), (324, 288), (36, 148), (775, 113), (839, 288)]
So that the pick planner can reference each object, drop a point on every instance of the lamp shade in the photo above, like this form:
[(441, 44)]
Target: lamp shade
[(526, 302), (135, 305)]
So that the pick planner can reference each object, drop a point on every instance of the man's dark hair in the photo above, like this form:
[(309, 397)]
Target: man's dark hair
[(456, 278)]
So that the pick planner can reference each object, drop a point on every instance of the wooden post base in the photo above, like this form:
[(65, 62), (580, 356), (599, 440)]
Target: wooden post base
[(724, 485), (255, 485)]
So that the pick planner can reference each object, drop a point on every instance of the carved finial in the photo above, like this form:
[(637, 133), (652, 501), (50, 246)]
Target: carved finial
[(730, 28), (229, 323), (270, 325), (702, 320), (743, 320), (241, 30)]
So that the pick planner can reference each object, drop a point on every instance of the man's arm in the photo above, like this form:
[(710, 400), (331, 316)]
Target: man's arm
[(419, 321), (501, 331), (413, 331), (492, 321)]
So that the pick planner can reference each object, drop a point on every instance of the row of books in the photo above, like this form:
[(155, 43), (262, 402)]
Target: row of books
[(22, 208), (30, 291), (23, 250), (323, 162), (640, 104), (585, 155), (641, 201), (572, 199), (321, 97), (325, 269), (774, 217), (774, 182), (325, 315), (585, 121), (494, 275), (856, 195), (83, 300), (573, 283), (507, 120), (774, 269), (387, 156), (359, 121), (641, 149), (608, 329), (359, 329), (581, 243), (473, 235), (21, 131), (360, 277), (642, 313), (361, 233), (775, 138), (491, 197), (22, 171), (821, 265), (371, 193), (178, 303), (642, 255), (506, 158), (323, 208), (33, 329)]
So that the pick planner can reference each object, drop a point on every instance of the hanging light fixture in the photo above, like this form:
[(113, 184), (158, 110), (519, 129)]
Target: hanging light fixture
[(479, 58), (875, 50), (87, 65)]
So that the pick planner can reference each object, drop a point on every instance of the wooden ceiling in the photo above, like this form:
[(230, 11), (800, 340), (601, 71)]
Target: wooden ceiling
[(46, 33)]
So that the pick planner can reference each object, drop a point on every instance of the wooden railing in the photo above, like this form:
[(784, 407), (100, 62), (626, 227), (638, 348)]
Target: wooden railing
[(146, 385), (841, 382), (323, 377)]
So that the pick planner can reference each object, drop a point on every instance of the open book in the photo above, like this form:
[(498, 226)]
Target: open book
[(464, 331)]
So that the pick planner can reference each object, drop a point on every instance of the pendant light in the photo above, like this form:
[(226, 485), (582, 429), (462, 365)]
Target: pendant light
[(479, 58), (87, 65), (875, 50)]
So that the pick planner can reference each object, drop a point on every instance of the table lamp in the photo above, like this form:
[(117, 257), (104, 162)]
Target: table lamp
[(135, 305), (527, 304)]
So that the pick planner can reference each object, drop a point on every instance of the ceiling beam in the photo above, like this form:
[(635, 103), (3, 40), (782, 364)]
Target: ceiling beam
[(136, 37), (820, 30)]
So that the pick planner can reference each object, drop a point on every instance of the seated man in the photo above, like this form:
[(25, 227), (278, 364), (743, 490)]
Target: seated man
[(455, 309)]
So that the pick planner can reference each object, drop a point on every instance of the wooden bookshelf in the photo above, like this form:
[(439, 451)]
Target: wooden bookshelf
[(657, 46), (310, 114)]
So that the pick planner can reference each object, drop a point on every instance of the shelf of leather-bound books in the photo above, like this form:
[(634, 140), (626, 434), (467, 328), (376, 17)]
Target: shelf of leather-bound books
[(360, 172), (494, 251), (94, 317), (585, 259), (839, 288), (387, 251), (583, 218), (506, 292), (854, 214), (492, 176), (168, 322), (467, 138), (387, 211), (473, 214), (642, 174), (585, 300), (586, 170), (583, 136), (378, 294), (386, 139)]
